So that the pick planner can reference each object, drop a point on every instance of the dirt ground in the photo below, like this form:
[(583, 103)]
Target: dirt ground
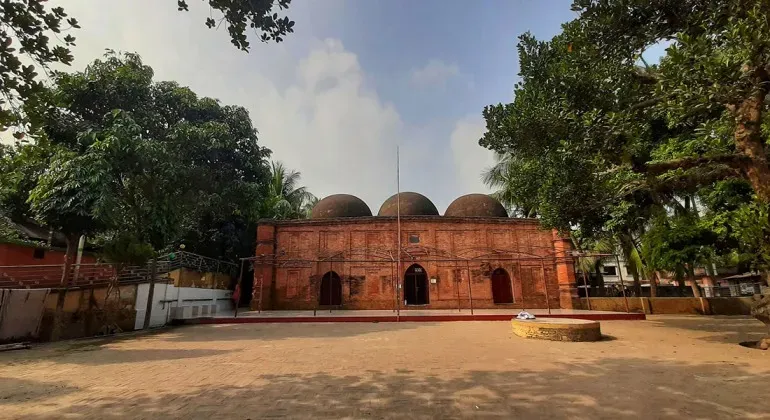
[(666, 367)]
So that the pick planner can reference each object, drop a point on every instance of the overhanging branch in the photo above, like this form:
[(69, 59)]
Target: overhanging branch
[(733, 161)]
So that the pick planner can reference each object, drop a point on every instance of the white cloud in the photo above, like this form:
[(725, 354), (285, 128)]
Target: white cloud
[(435, 73), (470, 159), (309, 99)]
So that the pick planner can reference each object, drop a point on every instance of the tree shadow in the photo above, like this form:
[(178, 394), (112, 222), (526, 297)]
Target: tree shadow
[(280, 331), (14, 390), (108, 356), (723, 329), (84, 355), (606, 388)]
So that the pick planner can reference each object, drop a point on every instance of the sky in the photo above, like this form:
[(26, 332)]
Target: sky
[(357, 79)]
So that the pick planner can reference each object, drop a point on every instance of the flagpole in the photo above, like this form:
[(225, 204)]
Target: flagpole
[(398, 224)]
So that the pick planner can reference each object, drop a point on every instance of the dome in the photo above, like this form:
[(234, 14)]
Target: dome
[(412, 204), (340, 205), (476, 205)]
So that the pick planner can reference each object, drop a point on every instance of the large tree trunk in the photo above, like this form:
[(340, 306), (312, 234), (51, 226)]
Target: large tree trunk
[(637, 283), (628, 246), (749, 141), (600, 278), (69, 256), (693, 283), (680, 276), (760, 309), (654, 284)]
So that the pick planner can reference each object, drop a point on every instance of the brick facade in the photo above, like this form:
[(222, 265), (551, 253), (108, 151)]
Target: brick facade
[(457, 254), (16, 254)]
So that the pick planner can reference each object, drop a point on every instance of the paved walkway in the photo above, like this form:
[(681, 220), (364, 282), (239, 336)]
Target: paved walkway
[(408, 312), (665, 367)]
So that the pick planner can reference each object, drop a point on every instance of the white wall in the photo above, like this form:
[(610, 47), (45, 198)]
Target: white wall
[(171, 302)]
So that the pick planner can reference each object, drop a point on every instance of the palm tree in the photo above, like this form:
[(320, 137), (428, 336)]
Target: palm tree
[(285, 199), (504, 178), (309, 204)]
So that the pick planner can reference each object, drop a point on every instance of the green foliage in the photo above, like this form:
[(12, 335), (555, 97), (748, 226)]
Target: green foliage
[(27, 28), (126, 249), (20, 167), (8, 232), (741, 225), (241, 15), (69, 195), (140, 162), (285, 199), (672, 243), (599, 141)]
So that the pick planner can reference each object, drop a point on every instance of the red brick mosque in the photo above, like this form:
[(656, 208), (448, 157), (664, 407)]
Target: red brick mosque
[(344, 257)]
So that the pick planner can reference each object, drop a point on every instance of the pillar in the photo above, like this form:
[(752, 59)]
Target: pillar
[(264, 266), (565, 271)]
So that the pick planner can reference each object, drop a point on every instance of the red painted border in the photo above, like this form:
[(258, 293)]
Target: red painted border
[(407, 318)]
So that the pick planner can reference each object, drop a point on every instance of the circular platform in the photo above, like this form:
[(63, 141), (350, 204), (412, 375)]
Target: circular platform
[(557, 329)]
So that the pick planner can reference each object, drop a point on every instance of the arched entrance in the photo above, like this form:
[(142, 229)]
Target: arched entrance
[(416, 285), (331, 290), (501, 286)]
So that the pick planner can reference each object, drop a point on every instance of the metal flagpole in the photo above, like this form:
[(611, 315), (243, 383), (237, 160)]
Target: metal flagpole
[(398, 224)]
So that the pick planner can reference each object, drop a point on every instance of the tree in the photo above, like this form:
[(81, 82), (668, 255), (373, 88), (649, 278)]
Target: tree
[(715, 77), (240, 15), (26, 28), (512, 182), (308, 207), (285, 199), (69, 197), (603, 142), (741, 225), (677, 244), (143, 160)]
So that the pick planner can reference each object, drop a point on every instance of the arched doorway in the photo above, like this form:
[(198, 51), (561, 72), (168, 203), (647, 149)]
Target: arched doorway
[(331, 290), (501, 286), (416, 285)]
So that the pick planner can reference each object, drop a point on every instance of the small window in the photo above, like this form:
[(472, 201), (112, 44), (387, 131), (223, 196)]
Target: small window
[(414, 238), (610, 270), (38, 253)]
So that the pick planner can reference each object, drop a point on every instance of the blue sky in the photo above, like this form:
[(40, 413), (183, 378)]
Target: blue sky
[(393, 37), (358, 78)]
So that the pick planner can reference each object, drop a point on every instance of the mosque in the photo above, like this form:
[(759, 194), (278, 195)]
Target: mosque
[(473, 256)]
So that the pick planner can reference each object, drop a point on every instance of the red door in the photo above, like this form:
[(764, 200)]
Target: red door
[(501, 287)]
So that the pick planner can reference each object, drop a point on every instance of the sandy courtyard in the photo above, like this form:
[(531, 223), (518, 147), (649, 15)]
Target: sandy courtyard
[(666, 367)]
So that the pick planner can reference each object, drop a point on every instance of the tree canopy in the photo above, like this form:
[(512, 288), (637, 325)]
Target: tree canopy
[(599, 140), (121, 155), (42, 36), (286, 199)]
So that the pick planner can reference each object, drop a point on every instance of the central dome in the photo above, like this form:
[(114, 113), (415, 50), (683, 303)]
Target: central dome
[(340, 205), (411, 203), (476, 205)]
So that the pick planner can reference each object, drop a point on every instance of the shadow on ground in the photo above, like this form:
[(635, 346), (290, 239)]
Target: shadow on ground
[(608, 388), (13, 390), (80, 355), (280, 331), (718, 329)]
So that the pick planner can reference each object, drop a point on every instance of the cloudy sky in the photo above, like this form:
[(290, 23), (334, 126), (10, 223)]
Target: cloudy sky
[(356, 79)]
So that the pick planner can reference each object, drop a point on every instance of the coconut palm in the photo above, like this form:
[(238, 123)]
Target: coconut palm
[(285, 198), (505, 179)]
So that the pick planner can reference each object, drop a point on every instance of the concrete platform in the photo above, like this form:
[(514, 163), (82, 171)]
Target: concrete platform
[(557, 329), (409, 315)]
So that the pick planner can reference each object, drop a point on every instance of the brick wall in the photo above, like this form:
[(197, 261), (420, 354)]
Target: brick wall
[(369, 277), (673, 305), (14, 254)]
